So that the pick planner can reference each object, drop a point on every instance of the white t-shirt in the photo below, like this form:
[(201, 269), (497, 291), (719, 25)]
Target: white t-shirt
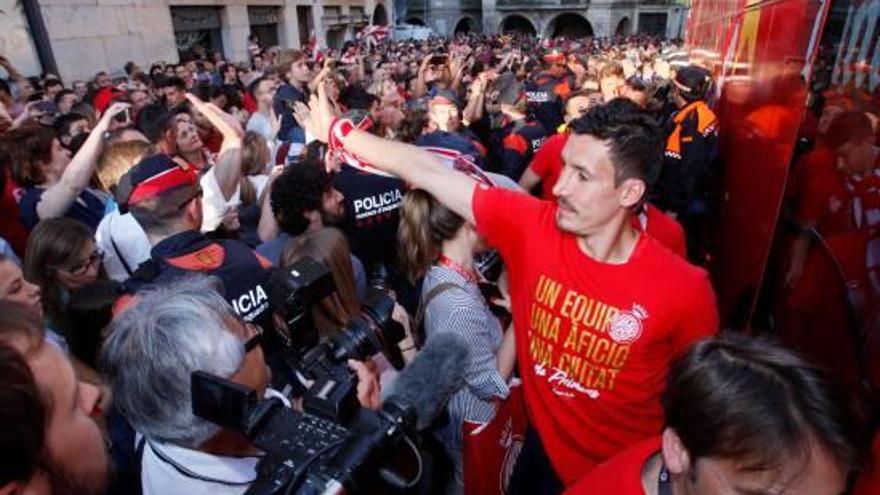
[(214, 206), (120, 237), (163, 467), (260, 124)]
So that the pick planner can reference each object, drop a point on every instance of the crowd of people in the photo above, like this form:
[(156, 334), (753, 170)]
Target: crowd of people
[(548, 201)]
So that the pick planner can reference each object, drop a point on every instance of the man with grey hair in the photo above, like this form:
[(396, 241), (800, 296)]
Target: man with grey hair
[(155, 345)]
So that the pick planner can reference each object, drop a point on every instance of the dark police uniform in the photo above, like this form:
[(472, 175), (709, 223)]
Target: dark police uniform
[(242, 271), (545, 94)]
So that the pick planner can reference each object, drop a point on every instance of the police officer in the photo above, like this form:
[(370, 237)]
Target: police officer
[(164, 196), (446, 131), (546, 91), (690, 158), (514, 145)]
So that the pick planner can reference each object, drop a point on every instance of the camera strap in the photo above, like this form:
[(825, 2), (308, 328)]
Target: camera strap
[(185, 471)]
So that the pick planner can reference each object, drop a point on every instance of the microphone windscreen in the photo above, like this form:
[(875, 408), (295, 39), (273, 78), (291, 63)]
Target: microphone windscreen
[(437, 373)]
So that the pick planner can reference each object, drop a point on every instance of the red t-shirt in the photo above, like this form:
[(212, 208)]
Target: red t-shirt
[(620, 475), (594, 340), (825, 201), (662, 227), (869, 481), (11, 227), (547, 163)]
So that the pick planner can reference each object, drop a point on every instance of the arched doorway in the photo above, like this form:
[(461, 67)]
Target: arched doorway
[(570, 26), (465, 25), (624, 27), (415, 21), (518, 24), (380, 15)]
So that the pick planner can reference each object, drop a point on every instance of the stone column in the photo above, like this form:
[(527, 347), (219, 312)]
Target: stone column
[(235, 29), (320, 28), (491, 17), (288, 31)]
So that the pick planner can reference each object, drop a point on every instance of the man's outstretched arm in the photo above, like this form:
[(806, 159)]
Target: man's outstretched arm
[(416, 166)]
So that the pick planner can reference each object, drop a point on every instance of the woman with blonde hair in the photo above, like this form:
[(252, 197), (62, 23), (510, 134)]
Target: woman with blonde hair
[(437, 245)]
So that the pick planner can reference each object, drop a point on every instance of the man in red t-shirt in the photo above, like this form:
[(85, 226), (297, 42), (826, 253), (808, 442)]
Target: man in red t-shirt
[(743, 415), (599, 309)]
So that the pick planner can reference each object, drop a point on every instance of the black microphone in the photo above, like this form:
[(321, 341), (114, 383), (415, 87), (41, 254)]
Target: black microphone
[(426, 385), (419, 395)]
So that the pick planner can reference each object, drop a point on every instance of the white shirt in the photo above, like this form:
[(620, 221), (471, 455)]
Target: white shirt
[(214, 206), (260, 124), (131, 244), (207, 474)]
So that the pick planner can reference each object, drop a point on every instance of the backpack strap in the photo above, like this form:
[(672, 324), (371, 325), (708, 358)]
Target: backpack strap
[(435, 291), (121, 258), (147, 271)]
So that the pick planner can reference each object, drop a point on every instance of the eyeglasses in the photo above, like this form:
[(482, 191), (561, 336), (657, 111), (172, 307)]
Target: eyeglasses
[(83, 266), (255, 339)]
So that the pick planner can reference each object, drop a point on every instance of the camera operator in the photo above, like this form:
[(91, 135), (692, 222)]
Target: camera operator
[(149, 357), (50, 442), (744, 416)]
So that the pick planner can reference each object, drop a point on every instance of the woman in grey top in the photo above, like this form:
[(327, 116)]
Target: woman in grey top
[(439, 245)]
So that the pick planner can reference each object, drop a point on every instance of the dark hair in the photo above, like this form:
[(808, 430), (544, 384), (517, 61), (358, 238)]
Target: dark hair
[(299, 189), (747, 399), (29, 147), (22, 417), (61, 94), (53, 242), (413, 126), (632, 135), (355, 97), (129, 67), (254, 85), (151, 120), (52, 82), (64, 122), (173, 82), (4, 86), (849, 127)]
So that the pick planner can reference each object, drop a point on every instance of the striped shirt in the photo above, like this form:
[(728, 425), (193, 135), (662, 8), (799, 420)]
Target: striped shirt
[(464, 311)]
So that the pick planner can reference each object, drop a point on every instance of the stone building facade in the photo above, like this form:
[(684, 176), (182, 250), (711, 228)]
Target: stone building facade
[(83, 37), (601, 18)]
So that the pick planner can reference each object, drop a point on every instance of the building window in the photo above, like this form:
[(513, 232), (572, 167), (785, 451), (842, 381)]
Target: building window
[(305, 24), (652, 23), (264, 24), (357, 15), (196, 32)]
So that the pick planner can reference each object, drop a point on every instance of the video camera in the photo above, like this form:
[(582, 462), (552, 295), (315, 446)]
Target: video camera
[(308, 454), (293, 291)]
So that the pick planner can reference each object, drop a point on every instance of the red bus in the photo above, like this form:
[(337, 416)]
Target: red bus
[(778, 66)]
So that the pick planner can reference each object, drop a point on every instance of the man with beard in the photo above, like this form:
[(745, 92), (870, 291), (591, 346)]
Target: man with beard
[(50, 442), (303, 199), (600, 309)]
